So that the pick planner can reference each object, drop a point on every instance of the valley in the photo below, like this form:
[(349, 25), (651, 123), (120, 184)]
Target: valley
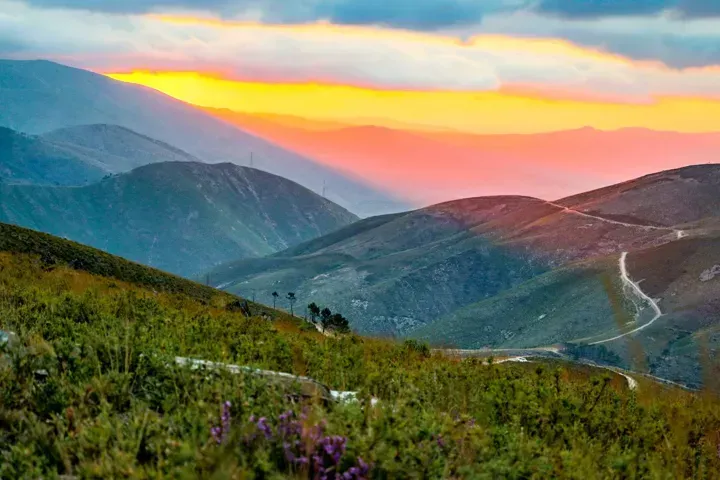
[(196, 292), (448, 274)]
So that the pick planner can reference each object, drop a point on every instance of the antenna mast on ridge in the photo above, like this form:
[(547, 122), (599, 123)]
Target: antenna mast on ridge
[(324, 190)]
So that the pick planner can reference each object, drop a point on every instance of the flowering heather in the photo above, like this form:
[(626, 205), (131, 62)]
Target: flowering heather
[(306, 446), (220, 433)]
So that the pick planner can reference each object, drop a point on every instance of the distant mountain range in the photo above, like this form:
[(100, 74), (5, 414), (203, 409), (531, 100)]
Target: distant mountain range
[(430, 167), (520, 271), (180, 217), (39, 96), (78, 155)]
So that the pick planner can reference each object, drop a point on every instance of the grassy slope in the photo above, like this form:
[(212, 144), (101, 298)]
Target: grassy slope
[(52, 250), (394, 273), (563, 305), (585, 302), (113, 406)]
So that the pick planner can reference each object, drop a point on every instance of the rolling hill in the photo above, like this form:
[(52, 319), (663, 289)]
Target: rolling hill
[(116, 148), (587, 303), (510, 271), (33, 160), (40, 96), (80, 155), (180, 217)]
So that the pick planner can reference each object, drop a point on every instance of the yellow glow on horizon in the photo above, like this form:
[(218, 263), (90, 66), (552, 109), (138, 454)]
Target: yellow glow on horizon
[(479, 112)]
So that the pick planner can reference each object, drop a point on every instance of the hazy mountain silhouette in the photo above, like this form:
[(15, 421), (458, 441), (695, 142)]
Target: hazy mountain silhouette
[(179, 217)]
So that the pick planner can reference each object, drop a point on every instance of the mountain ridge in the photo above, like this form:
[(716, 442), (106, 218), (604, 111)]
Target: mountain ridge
[(429, 167), (182, 217), (401, 274), (40, 96), (30, 159), (125, 148)]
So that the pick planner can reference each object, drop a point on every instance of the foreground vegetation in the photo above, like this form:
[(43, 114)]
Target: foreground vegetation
[(90, 390)]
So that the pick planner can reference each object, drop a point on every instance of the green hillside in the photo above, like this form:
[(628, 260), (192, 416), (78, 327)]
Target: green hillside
[(90, 390), (80, 155), (568, 304), (115, 148), (54, 251), (28, 159), (182, 217), (585, 303), (513, 271)]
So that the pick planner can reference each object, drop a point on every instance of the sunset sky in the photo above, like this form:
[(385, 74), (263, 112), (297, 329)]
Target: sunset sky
[(485, 66), (299, 72)]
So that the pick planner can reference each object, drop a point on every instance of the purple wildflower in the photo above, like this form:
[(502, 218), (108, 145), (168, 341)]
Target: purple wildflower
[(263, 426), (440, 441), (334, 448), (288, 426), (307, 446), (220, 433), (360, 472)]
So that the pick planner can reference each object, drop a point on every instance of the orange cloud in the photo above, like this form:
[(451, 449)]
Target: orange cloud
[(479, 112)]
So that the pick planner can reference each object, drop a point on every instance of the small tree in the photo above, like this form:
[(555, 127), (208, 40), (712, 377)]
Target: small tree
[(339, 323), (291, 299), (314, 311), (325, 318), (275, 296)]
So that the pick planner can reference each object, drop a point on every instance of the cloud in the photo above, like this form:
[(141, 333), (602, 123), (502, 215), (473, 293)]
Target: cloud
[(579, 9), (600, 8), (700, 8), (527, 50), (670, 39), (412, 14)]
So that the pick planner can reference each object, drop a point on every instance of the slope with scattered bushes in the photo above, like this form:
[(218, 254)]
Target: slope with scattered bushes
[(90, 390)]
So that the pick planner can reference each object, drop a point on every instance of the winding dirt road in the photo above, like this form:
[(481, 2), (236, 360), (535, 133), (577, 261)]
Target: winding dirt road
[(627, 281), (679, 233)]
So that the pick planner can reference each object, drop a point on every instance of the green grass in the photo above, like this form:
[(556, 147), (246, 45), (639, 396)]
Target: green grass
[(54, 250), (113, 404)]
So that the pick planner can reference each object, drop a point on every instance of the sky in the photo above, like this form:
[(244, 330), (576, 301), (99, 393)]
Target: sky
[(480, 66)]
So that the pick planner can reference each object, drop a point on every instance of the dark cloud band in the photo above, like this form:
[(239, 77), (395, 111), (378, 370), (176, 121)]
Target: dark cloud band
[(601, 8), (607, 8), (410, 14)]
